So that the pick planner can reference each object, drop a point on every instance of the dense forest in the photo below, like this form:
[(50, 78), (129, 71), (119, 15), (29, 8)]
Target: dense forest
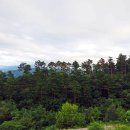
[(65, 95)]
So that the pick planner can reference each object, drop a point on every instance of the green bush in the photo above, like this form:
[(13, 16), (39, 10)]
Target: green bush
[(11, 125), (128, 115), (36, 117), (92, 114), (6, 109), (121, 114), (115, 113), (25, 117), (69, 117), (96, 126), (122, 127), (42, 118), (53, 127)]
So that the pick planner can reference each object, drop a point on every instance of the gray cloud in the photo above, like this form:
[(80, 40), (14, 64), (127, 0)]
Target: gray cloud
[(63, 30)]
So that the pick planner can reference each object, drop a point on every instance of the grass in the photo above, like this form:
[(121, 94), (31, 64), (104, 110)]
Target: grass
[(108, 126), (96, 126), (99, 126)]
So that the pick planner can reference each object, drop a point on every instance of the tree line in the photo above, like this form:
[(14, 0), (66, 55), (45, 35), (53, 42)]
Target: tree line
[(86, 84)]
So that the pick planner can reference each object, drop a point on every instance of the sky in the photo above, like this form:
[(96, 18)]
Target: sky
[(66, 30)]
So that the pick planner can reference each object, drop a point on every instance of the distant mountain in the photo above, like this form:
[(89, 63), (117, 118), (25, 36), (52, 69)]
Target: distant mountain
[(13, 69), (8, 68), (16, 73)]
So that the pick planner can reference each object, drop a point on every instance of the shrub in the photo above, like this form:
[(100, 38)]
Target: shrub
[(128, 115), (36, 117), (25, 117), (92, 114), (11, 125), (6, 109), (53, 127), (121, 114), (96, 126), (115, 113), (42, 118), (122, 127), (111, 113), (69, 117)]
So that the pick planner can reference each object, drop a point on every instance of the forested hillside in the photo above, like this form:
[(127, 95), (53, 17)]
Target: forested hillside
[(33, 100)]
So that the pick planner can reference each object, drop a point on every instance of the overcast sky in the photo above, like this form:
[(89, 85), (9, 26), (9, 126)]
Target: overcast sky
[(69, 30)]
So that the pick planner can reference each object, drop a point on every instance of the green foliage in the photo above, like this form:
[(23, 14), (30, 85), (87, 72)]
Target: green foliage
[(24, 67), (69, 117), (24, 117), (42, 118), (128, 115), (36, 117), (115, 113), (11, 125), (53, 127), (121, 114), (6, 109), (96, 126), (111, 114), (122, 127), (92, 114)]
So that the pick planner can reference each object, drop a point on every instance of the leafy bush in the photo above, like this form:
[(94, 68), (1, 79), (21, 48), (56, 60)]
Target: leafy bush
[(42, 118), (96, 126), (11, 125), (122, 127), (69, 117), (111, 113), (128, 115), (50, 118), (115, 113), (92, 114), (6, 109), (25, 117), (121, 114), (36, 117), (53, 127)]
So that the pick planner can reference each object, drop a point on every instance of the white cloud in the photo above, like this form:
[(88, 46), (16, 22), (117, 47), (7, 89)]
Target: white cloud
[(63, 30)]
